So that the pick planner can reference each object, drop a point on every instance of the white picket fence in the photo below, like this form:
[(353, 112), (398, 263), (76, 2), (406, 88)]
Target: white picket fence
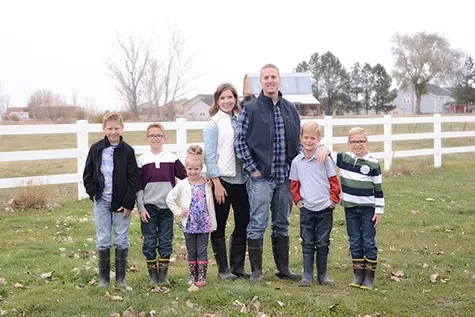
[(82, 128)]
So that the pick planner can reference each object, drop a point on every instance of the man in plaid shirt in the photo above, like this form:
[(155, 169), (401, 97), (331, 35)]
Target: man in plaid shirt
[(267, 139)]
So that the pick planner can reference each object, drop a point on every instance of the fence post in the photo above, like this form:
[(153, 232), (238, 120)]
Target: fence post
[(437, 141), (181, 138), (83, 148), (388, 143), (328, 129)]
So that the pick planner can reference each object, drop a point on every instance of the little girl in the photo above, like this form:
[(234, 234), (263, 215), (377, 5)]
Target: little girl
[(192, 200)]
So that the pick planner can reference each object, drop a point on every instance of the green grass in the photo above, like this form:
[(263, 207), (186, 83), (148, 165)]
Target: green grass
[(427, 229)]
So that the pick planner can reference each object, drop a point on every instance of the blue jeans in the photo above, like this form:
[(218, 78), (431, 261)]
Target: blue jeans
[(315, 228), (262, 195), (361, 232), (157, 233), (107, 221)]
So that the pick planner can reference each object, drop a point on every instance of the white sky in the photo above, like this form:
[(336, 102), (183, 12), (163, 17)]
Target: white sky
[(63, 45)]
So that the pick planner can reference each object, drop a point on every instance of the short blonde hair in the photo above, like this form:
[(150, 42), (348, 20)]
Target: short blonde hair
[(156, 125), (194, 152), (310, 127), (112, 116), (357, 130)]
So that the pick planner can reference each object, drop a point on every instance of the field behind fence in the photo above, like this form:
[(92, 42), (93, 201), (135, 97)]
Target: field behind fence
[(55, 154)]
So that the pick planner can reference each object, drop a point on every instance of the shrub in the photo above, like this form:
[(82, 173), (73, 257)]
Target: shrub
[(31, 196)]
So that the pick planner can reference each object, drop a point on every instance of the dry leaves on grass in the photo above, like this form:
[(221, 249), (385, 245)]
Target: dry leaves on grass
[(46, 275), (397, 276), (113, 297), (433, 278), (158, 289), (19, 286), (3, 281)]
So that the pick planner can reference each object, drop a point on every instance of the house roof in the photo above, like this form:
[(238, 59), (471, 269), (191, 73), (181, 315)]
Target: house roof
[(207, 99), (438, 91), (16, 109)]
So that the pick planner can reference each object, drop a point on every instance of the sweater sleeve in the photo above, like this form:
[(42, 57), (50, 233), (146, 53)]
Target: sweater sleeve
[(172, 200), (295, 190), (210, 138)]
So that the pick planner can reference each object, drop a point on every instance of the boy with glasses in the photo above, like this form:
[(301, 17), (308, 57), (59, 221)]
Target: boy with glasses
[(157, 170), (363, 199)]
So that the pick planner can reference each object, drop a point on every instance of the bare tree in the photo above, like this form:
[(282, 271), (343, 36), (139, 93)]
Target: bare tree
[(167, 75), (129, 71), (4, 101), (45, 103), (420, 59)]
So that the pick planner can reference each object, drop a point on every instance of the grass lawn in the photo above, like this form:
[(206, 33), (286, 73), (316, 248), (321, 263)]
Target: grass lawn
[(427, 229)]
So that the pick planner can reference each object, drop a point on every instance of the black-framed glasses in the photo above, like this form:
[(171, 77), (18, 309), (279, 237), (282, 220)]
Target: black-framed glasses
[(155, 136), (353, 142)]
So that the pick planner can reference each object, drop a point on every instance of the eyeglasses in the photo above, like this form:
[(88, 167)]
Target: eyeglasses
[(360, 142), (155, 136)]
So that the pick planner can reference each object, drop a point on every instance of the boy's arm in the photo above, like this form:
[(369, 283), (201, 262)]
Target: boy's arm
[(335, 189), (180, 171), (88, 176), (140, 188), (378, 191), (131, 193), (295, 190)]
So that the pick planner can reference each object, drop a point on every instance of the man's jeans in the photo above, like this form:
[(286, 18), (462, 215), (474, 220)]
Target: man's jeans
[(315, 228), (106, 221), (361, 232), (157, 233), (262, 195)]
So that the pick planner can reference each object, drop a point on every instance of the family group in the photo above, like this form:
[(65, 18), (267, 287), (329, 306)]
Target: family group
[(260, 161)]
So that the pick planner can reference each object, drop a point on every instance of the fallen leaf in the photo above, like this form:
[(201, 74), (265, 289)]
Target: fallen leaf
[(133, 269), (19, 286), (93, 281), (424, 291), (115, 315), (333, 307), (261, 314), (129, 312), (280, 303), (189, 304), (152, 313), (430, 199), (113, 297), (46, 275), (3, 281), (158, 289), (425, 265), (193, 288), (433, 277)]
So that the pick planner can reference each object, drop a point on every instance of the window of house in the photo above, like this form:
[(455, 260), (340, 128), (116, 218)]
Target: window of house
[(406, 100)]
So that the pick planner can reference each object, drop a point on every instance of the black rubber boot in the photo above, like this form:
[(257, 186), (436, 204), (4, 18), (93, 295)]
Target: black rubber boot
[(104, 267), (237, 256), (369, 274), (359, 270), (219, 249), (152, 272), (255, 257), (163, 265), (280, 249), (120, 267), (307, 279), (322, 262)]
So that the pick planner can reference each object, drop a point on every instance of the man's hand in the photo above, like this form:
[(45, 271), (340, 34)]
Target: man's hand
[(256, 174)]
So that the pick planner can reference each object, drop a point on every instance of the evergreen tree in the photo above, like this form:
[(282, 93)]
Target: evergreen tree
[(464, 90), (383, 95), (367, 82)]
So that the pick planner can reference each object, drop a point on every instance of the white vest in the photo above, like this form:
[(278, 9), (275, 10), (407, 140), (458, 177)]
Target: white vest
[(225, 156)]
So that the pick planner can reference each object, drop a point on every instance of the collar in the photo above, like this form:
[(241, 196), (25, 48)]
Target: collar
[(366, 157), (269, 99), (107, 143)]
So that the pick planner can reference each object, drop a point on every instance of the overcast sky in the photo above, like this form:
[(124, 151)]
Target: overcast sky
[(63, 45)]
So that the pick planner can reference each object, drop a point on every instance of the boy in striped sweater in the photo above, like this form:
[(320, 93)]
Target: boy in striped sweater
[(363, 200)]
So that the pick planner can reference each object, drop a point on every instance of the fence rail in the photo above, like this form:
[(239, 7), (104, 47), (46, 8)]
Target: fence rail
[(82, 129)]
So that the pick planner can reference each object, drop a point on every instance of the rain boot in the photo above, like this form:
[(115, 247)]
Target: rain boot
[(163, 265), (104, 268), (219, 250), (359, 270), (322, 263), (152, 271), (369, 274), (120, 267), (255, 257), (280, 249), (307, 279), (193, 266), (237, 256)]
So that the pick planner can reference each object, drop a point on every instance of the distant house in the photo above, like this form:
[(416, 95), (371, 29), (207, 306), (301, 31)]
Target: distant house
[(432, 102), (197, 108), (295, 87), (168, 112), (19, 112), (55, 111)]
